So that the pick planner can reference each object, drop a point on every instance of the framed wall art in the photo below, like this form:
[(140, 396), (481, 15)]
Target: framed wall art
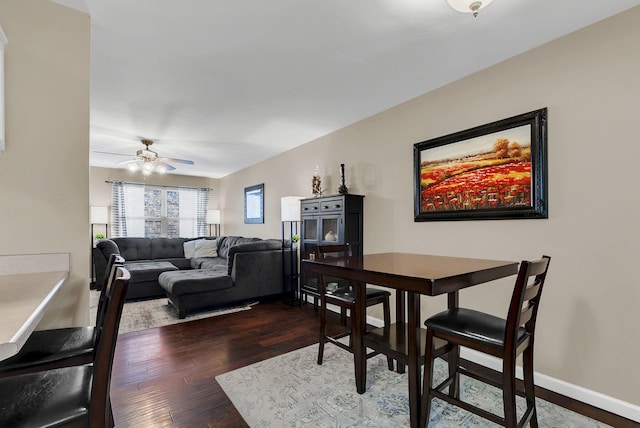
[(493, 171), (254, 204)]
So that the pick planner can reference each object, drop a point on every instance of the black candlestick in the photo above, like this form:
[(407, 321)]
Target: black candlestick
[(343, 188)]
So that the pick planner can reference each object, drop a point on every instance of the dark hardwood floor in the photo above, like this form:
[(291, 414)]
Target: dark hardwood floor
[(166, 376)]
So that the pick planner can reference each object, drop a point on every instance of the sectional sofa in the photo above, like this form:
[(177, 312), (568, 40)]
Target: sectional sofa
[(228, 269)]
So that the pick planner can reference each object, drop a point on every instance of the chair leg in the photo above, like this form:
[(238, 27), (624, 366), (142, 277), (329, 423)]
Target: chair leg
[(425, 405), (387, 322), (529, 386), (111, 422), (323, 329), (509, 392), (454, 362)]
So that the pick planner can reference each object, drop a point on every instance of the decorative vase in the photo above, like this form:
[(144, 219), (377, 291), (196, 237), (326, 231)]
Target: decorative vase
[(330, 236)]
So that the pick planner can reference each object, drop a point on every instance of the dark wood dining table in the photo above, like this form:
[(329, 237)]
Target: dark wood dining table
[(413, 275)]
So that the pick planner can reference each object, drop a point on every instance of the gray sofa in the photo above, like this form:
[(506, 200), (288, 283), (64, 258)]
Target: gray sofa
[(245, 268)]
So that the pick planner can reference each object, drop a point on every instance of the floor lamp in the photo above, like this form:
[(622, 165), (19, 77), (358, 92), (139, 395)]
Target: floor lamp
[(290, 216), (98, 215), (213, 219)]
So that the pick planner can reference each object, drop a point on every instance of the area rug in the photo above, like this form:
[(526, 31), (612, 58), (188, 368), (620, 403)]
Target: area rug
[(291, 390), (146, 314)]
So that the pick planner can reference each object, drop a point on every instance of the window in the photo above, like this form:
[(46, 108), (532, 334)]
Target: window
[(154, 211)]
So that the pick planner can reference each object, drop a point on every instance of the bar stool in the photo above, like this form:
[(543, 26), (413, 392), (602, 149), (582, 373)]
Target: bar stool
[(345, 298), (501, 338), (69, 396)]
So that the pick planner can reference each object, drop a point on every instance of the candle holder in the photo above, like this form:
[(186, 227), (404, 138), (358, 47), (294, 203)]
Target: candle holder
[(343, 187)]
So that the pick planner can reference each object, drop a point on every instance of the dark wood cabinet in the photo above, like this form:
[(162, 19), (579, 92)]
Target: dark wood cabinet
[(335, 219)]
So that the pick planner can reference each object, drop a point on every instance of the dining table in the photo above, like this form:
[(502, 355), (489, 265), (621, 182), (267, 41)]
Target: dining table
[(411, 275)]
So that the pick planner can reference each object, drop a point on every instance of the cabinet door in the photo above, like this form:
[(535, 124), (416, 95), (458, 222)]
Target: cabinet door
[(331, 229), (309, 228)]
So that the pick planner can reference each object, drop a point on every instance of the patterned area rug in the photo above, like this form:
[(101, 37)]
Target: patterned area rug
[(291, 390), (156, 313)]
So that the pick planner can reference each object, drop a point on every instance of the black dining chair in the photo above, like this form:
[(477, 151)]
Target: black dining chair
[(345, 298), (502, 338), (75, 396), (61, 347)]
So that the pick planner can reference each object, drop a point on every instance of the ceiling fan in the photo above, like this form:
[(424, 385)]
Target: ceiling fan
[(148, 161)]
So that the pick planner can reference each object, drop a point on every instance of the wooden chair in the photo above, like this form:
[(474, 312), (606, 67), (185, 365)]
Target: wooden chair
[(75, 396), (501, 338), (345, 298), (61, 347)]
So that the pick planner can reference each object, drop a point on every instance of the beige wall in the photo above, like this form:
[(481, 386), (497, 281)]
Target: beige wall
[(44, 172), (589, 82)]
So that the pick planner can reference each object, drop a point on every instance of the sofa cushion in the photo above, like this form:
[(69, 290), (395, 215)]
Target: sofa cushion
[(181, 263), (198, 262), (216, 264), (164, 248), (230, 241), (206, 248), (147, 270), (134, 248), (193, 281)]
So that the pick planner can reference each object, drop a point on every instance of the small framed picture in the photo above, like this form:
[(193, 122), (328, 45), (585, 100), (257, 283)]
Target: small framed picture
[(254, 204)]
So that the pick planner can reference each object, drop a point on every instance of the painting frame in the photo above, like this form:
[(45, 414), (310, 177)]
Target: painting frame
[(496, 181), (254, 204)]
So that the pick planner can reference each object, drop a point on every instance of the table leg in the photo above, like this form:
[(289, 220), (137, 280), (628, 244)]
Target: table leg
[(453, 358), (359, 329), (400, 320), (413, 341)]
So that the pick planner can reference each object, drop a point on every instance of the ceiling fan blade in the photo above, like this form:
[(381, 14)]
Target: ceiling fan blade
[(165, 165), (127, 162), (184, 161), (110, 153)]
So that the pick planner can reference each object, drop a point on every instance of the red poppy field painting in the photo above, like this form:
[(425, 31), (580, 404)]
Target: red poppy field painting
[(489, 172)]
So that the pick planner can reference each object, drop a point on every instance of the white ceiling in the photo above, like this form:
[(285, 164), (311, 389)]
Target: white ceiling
[(229, 83)]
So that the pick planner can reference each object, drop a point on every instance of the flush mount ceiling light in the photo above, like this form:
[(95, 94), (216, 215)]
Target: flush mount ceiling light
[(468, 6)]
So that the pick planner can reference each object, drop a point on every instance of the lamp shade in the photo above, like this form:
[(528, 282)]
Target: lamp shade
[(213, 216), (99, 215), (290, 208)]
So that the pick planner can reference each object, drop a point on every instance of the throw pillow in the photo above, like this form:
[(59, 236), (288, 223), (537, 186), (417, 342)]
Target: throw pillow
[(207, 248), (190, 248)]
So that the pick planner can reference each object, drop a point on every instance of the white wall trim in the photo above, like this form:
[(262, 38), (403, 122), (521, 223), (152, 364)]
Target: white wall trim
[(575, 392), (593, 398)]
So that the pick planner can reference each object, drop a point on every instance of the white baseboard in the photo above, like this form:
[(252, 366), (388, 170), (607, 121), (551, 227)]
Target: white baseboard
[(593, 398)]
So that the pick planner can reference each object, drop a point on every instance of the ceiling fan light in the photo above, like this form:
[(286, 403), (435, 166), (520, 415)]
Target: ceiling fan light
[(147, 167), (161, 169), (133, 167), (468, 6), (146, 172)]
